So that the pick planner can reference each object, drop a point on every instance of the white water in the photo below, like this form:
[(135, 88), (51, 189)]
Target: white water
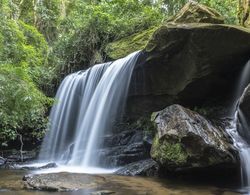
[(238, 117), (87, 105)]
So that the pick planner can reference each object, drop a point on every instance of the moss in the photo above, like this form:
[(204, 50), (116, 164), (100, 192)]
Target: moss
[(166, 152), (197, 13), (127, 45)]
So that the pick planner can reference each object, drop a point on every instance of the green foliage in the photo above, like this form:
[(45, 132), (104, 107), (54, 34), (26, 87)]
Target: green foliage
[(87, 29), (22, 105), (23, 59), (41, 41), (227, 8), (47, 18), (173, 6), (22, 44)]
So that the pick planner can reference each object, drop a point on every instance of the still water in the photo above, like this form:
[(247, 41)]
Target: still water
[(11, 183)]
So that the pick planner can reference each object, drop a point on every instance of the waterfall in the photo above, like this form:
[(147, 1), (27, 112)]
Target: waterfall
[(238, 117), (87, 104)]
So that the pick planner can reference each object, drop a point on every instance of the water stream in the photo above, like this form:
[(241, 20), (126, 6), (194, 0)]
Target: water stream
[(239, 121), (87, 104)]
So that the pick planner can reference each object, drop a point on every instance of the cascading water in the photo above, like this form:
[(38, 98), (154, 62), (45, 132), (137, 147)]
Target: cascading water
[(87, 103), (238, 117)]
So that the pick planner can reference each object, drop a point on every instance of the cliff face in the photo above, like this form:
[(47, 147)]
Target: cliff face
[(195, 65), (193, 60)]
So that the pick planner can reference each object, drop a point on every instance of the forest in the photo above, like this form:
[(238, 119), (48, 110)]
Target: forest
[(95, 91), (41, 41)]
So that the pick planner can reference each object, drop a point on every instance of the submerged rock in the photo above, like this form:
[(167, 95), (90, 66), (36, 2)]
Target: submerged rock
[(62, 181), (143, 168), (47, 166), (102, 192), (186, 140)]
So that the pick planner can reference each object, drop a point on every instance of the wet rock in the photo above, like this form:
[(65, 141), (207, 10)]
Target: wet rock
[(62, 181), (2, 161), (186, 140), (14, 156), (9, 166), (194, 12), (47, 166), (125, 137), (102, 192), (122, 155), (143, 168), (123, 148)]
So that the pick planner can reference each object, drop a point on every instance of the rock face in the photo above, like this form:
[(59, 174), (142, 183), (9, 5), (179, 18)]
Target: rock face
[(143, 168), (194, 60), (124, 148), (13, 156), (194, 12), (186, 140), (189, 64), (62, 181), (244, 10)]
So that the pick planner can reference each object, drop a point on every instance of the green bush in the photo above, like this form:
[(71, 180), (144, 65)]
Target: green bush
[(22, 105), (227, 8), (23, 59)]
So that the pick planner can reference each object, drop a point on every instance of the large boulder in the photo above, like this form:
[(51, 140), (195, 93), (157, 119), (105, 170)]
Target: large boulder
[(186, 140), (194, 12), (195, 65), (192, 60)]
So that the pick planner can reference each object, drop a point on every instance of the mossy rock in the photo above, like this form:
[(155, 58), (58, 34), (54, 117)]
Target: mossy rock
[(169, 152), (194, 12), (130, 44), (186, 140), (244, 12)]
